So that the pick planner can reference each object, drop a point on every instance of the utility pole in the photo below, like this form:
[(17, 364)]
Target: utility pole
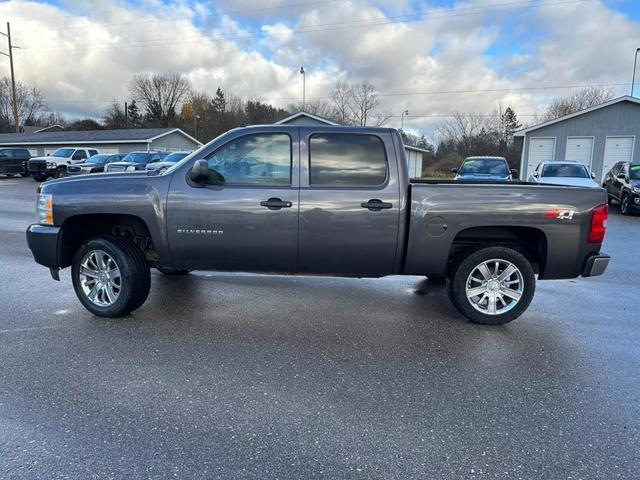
[(126, 115), (406, 112), (635, 61), (13, 76)]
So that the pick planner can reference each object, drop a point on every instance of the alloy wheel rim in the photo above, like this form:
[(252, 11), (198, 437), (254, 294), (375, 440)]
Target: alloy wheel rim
[(494, 286), (100, 278)]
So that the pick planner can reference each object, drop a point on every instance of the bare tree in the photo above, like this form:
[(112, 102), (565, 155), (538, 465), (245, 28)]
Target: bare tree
[(29, 101), (578, 100), (342, 97), (160, 93), (365, 101)]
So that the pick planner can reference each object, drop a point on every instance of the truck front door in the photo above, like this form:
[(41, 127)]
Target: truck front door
[(246, 217), (349, 203)]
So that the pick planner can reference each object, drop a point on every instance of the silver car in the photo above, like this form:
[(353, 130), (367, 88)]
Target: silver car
[(563, 173)]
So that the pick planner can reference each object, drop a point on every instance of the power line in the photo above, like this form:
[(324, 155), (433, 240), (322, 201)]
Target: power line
[(313, 28)]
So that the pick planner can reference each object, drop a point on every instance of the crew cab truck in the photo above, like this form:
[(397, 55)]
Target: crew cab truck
[(55, 165), (315, 200)]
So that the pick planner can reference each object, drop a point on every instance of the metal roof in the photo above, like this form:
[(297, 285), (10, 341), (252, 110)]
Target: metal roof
[(626, 98), (130, 135)]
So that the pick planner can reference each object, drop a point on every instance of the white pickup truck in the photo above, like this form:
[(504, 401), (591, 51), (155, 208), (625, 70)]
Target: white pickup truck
[(55, 165)]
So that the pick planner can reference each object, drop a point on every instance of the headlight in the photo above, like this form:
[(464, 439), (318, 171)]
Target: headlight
[(131, 168), (44, 209), (51, 165), (636, 188)]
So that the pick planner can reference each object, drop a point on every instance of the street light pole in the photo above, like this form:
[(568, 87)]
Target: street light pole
[(406, 112), (13, 76), (635, 61), (304, 86)]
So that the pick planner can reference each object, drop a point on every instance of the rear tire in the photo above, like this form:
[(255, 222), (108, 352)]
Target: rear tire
[(494, 302), (125, 271), (60, 172)]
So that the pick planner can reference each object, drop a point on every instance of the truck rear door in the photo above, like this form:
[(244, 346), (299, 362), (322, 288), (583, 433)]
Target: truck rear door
[(349, 202)]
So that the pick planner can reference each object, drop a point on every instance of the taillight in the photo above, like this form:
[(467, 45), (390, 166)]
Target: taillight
[(598, 224)]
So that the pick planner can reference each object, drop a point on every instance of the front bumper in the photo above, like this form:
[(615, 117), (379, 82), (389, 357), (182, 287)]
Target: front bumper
[(44, 243), (595, 265)]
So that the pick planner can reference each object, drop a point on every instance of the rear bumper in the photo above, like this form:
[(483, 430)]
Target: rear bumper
[(44, 243), (595, 265)]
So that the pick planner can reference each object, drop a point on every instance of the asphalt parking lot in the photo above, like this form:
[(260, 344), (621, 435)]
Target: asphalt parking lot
[(247, 376)]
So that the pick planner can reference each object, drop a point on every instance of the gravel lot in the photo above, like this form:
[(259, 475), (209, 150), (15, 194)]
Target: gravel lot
[(249, 376)]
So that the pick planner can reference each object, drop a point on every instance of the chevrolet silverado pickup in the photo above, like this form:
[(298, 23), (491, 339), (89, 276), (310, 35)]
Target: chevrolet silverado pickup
[(315, 200)]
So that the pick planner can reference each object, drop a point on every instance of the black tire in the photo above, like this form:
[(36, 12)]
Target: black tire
[(625, 204), (60, 172), (456, 284), (37, 178), (23, 175), (10, 175), (134, 270), (173, 271)]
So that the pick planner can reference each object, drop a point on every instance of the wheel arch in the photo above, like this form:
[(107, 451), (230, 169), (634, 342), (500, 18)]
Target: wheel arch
[(529, 241), (79, 228)]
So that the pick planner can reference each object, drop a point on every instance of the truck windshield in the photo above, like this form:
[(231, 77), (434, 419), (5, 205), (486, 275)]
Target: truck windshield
[(484, 166), (634, 171), (97, 159), (565, 170), (63, 152)]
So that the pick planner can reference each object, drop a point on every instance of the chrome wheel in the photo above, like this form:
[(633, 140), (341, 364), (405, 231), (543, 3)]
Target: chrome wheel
[(494, 287), (100, 278)]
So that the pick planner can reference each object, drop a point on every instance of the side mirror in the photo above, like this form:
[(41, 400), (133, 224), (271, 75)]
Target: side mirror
[(454, 170), (535, 175), (200, 173), (514, 172), (593, 175)]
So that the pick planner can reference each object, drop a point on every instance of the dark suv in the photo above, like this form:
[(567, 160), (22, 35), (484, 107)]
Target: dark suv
[(622, 183), (13, 161)]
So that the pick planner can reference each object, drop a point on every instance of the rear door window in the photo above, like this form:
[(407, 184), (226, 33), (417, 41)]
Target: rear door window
[(346, 160)]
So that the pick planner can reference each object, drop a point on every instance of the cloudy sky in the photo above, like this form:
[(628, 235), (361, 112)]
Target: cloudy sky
[(430, 57)]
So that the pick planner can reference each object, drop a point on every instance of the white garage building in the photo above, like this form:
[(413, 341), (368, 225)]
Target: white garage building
[(45, 141), (598, 137)]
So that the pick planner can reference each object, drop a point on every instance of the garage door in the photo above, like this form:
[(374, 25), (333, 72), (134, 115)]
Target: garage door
[(109, 150), (616, 149), (579, 150), (540, 150)]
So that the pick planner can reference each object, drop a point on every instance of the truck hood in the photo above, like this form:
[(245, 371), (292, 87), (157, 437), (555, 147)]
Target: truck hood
[(569, 181), (111, 177), (50, 159)]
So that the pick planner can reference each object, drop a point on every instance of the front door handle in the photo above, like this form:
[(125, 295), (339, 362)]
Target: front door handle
[(275, 204), (376, 205)]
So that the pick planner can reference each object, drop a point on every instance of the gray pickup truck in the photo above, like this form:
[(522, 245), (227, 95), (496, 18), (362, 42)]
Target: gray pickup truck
[(315, 200)]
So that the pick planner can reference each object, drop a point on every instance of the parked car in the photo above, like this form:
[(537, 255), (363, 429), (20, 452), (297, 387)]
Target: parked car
[(622, 184), (133, 161), (94, 164), (566, 172), (13, 161), (343, 206), (55, 165), (485, 168), (166, 162)]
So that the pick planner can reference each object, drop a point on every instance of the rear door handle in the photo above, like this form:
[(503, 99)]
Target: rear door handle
[(375, 205), (275, 204)]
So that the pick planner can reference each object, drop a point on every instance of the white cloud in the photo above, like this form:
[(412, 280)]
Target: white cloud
[(84, 55)]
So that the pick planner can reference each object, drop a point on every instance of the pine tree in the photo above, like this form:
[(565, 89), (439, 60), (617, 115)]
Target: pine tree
[(134, 118), (510, 124)]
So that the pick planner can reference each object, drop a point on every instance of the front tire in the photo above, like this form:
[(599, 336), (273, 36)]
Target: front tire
[(110, 276), (60, 172), (625, 204), (492, 286)]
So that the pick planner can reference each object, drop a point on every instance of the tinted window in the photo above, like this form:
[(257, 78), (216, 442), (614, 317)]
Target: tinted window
[(79, 155), (98, 159), (634, 171), (565, 170), (23, 152), (6, 153), (260, 159), (485, 166), (343, 160), (93, 152)]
